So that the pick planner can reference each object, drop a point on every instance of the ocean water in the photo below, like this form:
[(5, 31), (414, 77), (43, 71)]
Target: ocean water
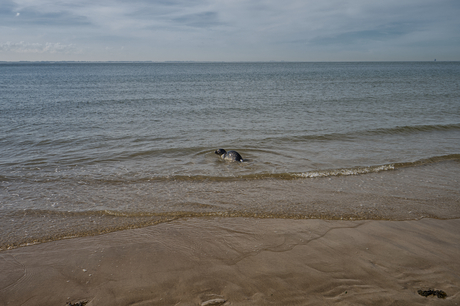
[(88, 148)]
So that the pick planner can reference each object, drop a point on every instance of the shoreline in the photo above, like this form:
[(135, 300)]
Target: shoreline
[(414, 193), (244, 261)]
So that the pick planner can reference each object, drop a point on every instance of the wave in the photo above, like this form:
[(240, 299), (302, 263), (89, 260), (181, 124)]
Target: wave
[(308, 174), (398, 130), (377, 168), (115, 180), (430, 160), (346, 171), (39, 213), (155, 216), (411, 129)]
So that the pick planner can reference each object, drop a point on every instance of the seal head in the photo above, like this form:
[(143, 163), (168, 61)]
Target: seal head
[(230, 155)]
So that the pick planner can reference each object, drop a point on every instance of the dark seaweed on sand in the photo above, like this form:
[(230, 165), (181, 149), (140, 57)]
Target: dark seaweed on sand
[(439, 293), (81, 303)]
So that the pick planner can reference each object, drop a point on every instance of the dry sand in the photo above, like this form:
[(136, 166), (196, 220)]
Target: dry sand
[(243, 261)]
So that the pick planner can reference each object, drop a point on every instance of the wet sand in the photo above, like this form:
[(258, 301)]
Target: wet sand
[(244, 261)]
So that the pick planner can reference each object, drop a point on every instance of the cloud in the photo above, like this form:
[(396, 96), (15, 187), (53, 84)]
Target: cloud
[(234, 30), (201, 20), (24, 47)]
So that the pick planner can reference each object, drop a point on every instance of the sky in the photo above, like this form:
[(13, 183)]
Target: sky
[(229, 30)]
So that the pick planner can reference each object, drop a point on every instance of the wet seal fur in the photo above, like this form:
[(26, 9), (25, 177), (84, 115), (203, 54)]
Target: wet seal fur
[(230, 155)]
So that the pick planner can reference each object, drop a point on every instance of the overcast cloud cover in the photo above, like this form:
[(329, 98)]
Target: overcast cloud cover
[(229, 30)]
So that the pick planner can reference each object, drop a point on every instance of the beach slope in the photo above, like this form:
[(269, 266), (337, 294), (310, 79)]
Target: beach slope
[(242, 261)]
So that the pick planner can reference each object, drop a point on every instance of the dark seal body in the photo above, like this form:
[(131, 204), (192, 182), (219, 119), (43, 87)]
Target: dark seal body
[(230, 155)]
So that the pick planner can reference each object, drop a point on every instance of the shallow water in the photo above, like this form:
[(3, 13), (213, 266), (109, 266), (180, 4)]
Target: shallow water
[(94, 147)]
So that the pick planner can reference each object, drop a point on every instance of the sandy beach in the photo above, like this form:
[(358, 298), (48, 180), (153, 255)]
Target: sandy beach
[(242, 261), (111, 192)]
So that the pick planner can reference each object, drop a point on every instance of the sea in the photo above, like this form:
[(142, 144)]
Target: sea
[(90, 148)]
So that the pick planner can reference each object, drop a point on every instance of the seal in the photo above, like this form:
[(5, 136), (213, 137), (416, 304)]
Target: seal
[(230, 155)]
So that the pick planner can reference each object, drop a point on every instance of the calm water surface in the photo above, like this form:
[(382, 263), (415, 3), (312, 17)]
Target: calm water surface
[(93, 147)]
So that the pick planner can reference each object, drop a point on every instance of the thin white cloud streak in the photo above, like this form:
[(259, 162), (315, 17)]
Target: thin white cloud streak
[(24, 47)]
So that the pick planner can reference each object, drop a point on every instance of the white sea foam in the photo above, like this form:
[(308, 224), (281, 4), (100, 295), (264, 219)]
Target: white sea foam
[(351, 171)]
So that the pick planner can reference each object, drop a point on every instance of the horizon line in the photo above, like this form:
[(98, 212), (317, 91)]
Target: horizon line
[(191, 61)]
